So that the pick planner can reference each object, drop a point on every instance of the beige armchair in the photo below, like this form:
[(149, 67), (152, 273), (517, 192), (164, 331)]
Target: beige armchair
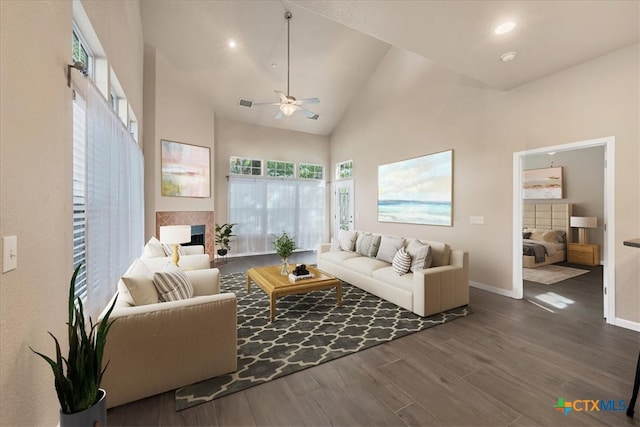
[(159, 347)]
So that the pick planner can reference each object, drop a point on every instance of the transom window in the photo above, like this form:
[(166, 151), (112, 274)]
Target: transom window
[(280, 169), (244, 166), (80, 52), (344, 169), (309, 171)]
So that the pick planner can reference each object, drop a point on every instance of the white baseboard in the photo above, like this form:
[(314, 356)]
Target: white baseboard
[(627, 324), (493, 289)]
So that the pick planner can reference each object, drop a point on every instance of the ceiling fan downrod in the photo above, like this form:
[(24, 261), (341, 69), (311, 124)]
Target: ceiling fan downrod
[(288, 17)]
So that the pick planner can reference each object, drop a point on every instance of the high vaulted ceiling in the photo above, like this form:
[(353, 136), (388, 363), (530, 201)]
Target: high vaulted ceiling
[(337, 45)]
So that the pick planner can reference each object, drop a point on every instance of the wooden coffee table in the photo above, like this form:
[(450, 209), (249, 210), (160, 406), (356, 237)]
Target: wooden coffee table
[(276, 285)]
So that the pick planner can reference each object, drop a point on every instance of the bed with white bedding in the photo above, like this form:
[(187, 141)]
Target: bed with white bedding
[(545, 234)]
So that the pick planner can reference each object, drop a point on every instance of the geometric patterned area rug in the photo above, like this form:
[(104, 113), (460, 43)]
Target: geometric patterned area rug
[(550, 274), (309, 329)]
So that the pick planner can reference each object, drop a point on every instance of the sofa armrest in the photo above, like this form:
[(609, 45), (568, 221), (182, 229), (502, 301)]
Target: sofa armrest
[(193, 249), (205, 281), (154, 348), (322, 248), (442, 288)]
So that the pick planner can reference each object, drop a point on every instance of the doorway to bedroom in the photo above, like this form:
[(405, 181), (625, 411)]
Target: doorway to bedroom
[(571, 275)]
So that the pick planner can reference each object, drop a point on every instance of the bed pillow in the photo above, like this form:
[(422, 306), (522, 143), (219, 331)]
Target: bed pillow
[(347, 240), (526, 234), (367, 244), (553, 236), (401, 262), (172, 284), (388, 247), (420, 253)]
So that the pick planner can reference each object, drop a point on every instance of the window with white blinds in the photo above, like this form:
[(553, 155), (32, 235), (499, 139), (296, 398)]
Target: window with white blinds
[(263, 207), (108, 199), (79, 195)]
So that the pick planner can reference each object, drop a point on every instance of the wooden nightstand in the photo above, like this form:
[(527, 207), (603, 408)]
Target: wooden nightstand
[(586, 254)]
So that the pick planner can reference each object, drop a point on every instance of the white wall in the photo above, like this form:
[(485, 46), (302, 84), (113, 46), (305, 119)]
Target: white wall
[(174, 112), (35, 185), (412, 107)]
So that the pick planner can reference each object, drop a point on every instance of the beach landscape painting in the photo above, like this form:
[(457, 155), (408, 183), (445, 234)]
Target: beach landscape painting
[(185, 170), (417, 191), (543, 183)]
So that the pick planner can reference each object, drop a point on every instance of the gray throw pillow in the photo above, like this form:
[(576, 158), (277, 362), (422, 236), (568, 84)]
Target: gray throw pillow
[(367, 244), (420, 253), (389, 245)]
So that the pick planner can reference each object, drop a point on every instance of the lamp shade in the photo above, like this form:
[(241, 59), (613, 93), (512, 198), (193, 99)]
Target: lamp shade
[(583, 222), (175, 234)]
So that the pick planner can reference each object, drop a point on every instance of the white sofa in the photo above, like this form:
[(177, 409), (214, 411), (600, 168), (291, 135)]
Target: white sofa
[(157, 347), (426, 291), (156, 257)]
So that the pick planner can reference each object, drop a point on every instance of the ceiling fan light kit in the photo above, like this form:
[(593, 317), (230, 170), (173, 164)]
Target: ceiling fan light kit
[(289, 104)]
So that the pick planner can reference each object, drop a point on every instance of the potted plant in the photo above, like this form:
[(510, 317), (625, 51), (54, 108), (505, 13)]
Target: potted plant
[(284, 245), (77, 377), (223, 235)]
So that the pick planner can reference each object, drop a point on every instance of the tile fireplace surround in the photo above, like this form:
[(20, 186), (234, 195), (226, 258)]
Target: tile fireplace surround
[(190, 218)]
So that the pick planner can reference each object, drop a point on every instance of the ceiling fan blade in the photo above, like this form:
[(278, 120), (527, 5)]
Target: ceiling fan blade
[(307, 101), (279, 115), (283, 97), (309, 114), (266, 103)]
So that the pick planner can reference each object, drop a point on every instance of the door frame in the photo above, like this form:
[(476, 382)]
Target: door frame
[(608, 275)]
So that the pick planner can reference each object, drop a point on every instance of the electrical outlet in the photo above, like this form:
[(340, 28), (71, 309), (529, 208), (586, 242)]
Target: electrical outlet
[(9, 253)]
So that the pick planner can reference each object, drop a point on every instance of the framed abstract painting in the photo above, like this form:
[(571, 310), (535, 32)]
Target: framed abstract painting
[(543, 183), (417, 191), (185, 170)]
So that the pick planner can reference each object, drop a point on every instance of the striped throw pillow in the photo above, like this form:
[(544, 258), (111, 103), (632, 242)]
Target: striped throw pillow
[(172, 285), (401, 262)]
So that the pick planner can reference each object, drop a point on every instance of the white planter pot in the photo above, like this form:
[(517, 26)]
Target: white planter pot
[(96, 416)]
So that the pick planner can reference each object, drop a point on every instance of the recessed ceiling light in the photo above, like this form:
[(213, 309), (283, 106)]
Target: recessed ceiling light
[(504, 28), (274, 65), (508, 57), (232, 43)]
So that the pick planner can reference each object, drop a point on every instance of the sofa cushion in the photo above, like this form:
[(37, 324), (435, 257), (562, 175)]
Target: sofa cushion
[(390, 277), (172, 284), (401, 261), (338, 257), (364, 265), (153, 249), (138, 281), (347, 240), (389, 245), (367, 244), (420, 255)]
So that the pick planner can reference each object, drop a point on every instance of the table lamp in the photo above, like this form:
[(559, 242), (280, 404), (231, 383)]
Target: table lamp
[(582, 223), (174, 235)]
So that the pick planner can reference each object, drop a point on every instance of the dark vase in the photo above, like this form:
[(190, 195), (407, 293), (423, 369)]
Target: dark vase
[(222, 252)]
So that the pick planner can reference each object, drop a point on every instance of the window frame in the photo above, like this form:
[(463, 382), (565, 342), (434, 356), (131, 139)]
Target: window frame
[(313, 165), (285, 164), (250, 168)]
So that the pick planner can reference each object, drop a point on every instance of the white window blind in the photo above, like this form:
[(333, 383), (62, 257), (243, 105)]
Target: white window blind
[(79, 194), (114, 200), (262, 207)]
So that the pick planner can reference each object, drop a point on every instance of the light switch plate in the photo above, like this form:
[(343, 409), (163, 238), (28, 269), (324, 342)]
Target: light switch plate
[(9, 253), (476, 220)]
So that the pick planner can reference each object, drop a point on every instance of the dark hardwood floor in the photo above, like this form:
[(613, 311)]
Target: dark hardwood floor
[(504, 365)]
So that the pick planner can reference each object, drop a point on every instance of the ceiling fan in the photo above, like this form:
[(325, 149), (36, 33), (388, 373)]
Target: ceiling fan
[(289, 104)]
